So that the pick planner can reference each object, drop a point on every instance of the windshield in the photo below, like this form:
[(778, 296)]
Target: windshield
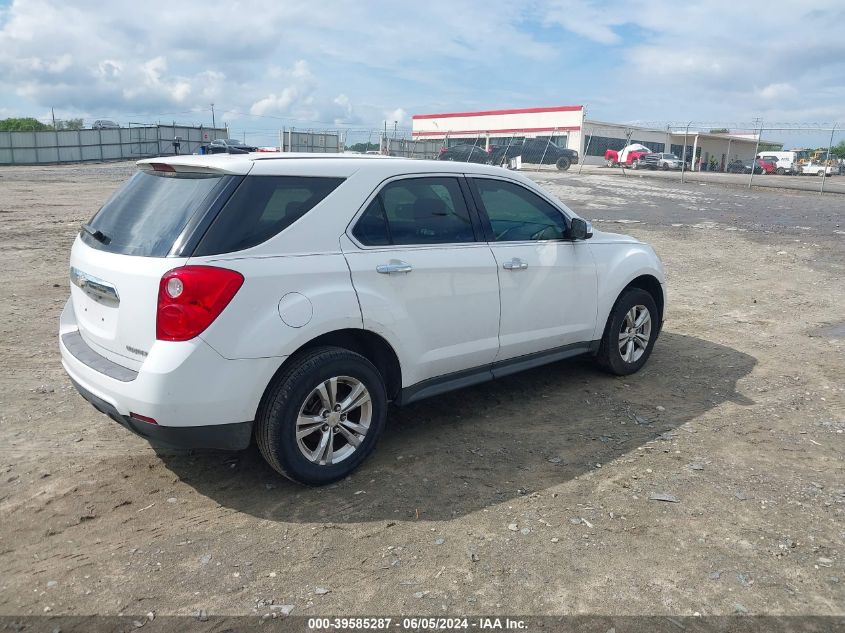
[(147, 215)]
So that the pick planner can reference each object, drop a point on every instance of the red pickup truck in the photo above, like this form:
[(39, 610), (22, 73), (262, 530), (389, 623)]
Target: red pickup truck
[(629, 156)]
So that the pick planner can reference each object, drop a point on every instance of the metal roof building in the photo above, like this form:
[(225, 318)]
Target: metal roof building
[(567, 126)]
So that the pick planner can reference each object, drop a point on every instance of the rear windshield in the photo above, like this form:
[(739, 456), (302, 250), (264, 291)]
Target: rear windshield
[(261, 207), (147, 215)]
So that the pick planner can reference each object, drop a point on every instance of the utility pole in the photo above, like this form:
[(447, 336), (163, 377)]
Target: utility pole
[(827, 160), (759, 123), (213, 122)]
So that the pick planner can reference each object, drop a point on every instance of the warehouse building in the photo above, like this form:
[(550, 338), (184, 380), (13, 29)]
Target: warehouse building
[(568, 127)]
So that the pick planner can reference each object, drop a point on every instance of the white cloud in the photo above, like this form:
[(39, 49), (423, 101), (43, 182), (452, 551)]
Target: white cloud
[(352, 63), (778, 91), (399, 115)]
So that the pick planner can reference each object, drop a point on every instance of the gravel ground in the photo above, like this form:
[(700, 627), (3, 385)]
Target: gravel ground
[(711, 482)]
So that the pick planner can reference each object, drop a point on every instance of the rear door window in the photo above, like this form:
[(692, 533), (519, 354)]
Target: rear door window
[(416, 211), (261, 207), (147, 215)]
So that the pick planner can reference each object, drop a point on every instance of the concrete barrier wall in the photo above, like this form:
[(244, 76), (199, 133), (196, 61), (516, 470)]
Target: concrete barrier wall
[(75, 146)]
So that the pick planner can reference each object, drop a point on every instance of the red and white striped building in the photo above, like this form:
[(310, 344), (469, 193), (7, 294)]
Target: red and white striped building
[(568, 127), (562, 123)]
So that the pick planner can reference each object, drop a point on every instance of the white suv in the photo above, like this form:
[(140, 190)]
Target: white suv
[(291, 297)]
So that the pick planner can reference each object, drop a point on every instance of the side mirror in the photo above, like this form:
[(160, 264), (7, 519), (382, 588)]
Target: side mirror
[(580, 229)]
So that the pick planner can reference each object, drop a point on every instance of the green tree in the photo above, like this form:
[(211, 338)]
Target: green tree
[(69, 124), (838, 150), (363, 147), (23, 124)]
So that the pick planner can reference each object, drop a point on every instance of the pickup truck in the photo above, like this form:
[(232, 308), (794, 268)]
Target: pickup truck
[(816, 169), (629, 156)]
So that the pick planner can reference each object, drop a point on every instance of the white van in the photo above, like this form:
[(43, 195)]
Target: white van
[(785, 162)]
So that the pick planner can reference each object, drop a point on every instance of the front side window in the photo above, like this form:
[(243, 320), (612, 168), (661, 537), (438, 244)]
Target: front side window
[(261, 207), (416, 211), (517, 214)]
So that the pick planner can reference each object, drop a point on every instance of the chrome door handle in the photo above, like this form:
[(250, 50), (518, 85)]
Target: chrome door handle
[(395, 266), (515, 264)]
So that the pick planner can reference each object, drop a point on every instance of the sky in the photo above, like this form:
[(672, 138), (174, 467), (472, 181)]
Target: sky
[(356, 64)]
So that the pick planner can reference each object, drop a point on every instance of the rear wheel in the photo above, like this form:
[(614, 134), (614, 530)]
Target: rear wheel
[(632, 327), (610, 163), (820, 172), (563, 163), (322, 416)]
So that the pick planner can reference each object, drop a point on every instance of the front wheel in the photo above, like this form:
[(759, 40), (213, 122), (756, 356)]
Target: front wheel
[(321, 418), (632, 328), (780, 171), (563, 163), (635, 164)]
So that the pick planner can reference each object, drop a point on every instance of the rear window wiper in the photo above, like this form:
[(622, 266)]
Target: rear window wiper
[(96, 234)]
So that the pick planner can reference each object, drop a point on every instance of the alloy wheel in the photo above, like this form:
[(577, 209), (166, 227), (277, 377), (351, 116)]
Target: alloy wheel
[(635, 333), (334, 420)]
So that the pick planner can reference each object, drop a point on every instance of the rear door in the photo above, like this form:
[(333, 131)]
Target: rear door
[(425, 279), (547, 282), (120, 256)]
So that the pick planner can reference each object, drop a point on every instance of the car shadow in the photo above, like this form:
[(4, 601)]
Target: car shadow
[(470, 449)]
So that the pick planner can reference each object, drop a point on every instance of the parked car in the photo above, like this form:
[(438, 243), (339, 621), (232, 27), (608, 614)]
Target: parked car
[(745, 166), (536, 151), (214, 299), (661, 161), (738, 166), (229, 146), (466, 153), (104, 124), (768, 166)]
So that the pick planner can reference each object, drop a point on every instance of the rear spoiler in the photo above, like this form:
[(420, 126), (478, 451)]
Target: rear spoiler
[(167, 165)]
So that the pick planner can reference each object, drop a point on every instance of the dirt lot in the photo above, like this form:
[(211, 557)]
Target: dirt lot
[(529, 495)]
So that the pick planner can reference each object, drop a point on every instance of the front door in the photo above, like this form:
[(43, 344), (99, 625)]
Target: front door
[(425, 280), (547, 282)]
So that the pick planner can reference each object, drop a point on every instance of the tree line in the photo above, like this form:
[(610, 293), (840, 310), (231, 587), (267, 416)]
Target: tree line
[(30, 124)]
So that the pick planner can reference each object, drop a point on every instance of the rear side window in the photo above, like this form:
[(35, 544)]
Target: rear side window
[(146, 216), (261, 207), (416, 211)]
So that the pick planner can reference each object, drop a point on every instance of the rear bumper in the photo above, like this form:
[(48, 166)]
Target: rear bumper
[(187, 388), (227, 437)]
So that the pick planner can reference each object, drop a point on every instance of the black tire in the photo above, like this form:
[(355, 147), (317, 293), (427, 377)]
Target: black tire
[(635, 164), (563, 163), (609, 356), (780, 171), (275, 428)]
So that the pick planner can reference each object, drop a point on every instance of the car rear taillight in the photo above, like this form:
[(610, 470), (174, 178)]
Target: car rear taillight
[(191, 297)]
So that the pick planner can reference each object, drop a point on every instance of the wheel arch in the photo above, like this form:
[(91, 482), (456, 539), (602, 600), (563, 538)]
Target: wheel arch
[(652, 286), (646, 279), (365, 342)]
